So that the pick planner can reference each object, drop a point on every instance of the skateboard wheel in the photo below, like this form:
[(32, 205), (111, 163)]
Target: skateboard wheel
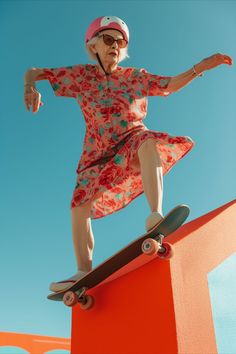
[(87, 302), (166, 251), (150, 246), (70, 298)]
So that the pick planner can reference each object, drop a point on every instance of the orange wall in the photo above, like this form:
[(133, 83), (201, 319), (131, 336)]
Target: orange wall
[(157, 306)]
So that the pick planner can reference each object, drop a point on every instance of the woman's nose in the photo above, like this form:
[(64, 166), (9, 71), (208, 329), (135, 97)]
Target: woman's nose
[(115, 45)]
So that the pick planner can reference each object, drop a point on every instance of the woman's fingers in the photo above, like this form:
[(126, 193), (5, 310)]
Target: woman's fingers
[(36, 100), (37, 107), (228, 60), (225, 59), (28, 98), (27, 103)]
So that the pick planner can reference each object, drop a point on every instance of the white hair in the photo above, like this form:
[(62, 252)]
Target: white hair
[(92, 56)]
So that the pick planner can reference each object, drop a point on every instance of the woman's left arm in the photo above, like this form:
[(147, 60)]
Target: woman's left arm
[(179, 81)]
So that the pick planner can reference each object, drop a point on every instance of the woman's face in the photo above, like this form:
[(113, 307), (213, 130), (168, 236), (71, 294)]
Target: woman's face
[(109, 54)]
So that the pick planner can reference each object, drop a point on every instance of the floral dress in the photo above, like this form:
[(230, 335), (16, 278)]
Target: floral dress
[(113, 108)]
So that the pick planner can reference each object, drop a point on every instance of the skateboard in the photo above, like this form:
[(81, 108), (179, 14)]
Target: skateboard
[(152, 242)]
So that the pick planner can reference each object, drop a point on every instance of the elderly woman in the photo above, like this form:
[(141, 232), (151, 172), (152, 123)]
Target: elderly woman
[(121, 157)]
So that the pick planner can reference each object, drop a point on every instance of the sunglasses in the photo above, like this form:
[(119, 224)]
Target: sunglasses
[(109, 40)]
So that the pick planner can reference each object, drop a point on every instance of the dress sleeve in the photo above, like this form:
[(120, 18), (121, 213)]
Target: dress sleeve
[(151, 84), (65, 81)]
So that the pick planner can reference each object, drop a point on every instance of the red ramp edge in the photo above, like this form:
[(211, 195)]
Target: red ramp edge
[(33, 343), (157, 306)]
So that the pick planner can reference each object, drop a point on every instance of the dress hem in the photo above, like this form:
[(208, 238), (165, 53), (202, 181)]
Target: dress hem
[(190, 144)]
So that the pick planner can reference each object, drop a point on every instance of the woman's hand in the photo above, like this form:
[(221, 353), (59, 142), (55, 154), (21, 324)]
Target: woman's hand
[(32, 98), (214, 60)]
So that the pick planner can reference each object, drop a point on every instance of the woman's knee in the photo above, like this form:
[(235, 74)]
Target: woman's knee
[(82, 210), (148, 153), (143, 152), (85, 208), (147, 145)]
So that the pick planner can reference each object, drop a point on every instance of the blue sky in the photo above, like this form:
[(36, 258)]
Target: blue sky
[(39, 153)]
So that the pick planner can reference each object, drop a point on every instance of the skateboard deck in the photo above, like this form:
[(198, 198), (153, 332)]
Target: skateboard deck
[(149, 243)]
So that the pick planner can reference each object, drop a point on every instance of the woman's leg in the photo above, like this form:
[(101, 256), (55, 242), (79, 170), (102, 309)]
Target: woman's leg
[(83, 238), (152, 175)]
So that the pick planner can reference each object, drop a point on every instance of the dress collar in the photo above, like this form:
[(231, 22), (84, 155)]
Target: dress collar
[(100, 75)]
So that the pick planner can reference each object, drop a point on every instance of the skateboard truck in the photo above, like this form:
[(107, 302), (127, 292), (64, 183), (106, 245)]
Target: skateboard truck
[(71, 298), (156, 245)]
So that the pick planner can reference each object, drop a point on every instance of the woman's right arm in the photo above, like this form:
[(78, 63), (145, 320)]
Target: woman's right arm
[(31, 96)]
